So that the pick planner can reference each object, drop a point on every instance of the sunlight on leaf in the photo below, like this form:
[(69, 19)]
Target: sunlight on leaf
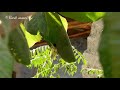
[(31, 39)]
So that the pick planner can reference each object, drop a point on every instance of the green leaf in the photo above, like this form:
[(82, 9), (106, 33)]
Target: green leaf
[(31, 25), (6, 61), (31, 39), (58, 37), (83, 16), (19, 47), (109, 48)]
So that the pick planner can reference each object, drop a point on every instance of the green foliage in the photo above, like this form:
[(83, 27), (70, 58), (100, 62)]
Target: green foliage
[(79, 56), (48, 66), (109, 46), (19, 47), (6, 59), (98, 73), (83, 16), (41, 60), (51, 28)]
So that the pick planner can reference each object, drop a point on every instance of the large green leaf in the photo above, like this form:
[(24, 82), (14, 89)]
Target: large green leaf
[(109, 48), (6, 61), (19, 47), (31, 39), (52, 29), (83, 16), (57, 36)]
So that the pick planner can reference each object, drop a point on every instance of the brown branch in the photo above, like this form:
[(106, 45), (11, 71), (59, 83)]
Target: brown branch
[(81, 34), (76, 24)]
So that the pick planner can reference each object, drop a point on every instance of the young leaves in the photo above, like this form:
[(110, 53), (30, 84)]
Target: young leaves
[(83, 16), (47, 67)]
